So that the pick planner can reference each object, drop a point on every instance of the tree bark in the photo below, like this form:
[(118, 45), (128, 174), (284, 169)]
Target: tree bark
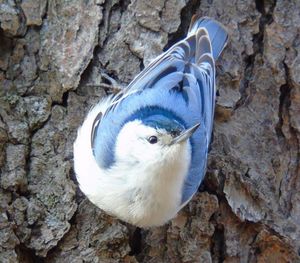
[(53, 55)]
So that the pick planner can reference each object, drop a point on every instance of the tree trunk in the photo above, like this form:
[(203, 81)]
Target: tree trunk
[(53, 55)]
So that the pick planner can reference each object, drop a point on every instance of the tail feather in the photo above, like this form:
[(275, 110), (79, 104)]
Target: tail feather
[(203, 44), (216, 31)]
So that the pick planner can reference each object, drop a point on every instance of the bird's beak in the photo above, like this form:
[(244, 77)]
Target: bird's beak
[(185, 134)]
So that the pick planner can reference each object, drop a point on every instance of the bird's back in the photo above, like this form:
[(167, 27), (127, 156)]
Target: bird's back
[(179, 84)]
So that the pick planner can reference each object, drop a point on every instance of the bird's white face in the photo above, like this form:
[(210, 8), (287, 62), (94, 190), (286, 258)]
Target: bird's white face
[(151, 165), (141, 144)]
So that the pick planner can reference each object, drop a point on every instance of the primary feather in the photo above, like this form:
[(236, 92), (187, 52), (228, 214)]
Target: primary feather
[(179, 86)]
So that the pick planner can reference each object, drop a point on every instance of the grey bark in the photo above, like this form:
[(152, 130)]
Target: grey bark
[(52, 57)]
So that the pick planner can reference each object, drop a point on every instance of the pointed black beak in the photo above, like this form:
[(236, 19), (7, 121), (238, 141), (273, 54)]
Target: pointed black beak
[(185, 134)]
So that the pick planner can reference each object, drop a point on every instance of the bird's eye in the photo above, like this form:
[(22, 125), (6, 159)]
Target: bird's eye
[(152, 139)]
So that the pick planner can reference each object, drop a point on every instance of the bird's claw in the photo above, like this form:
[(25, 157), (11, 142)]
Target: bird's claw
[(113, 87)]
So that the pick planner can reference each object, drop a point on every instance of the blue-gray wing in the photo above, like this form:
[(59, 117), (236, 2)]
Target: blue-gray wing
[(208, 48), (197, 48)]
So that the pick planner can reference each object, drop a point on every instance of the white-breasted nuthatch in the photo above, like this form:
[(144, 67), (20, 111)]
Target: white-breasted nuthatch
[(141, 154)]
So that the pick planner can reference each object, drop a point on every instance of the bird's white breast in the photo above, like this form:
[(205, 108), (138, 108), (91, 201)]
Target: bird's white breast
[(146, 195)]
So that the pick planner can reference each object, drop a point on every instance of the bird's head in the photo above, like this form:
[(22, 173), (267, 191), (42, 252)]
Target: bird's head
[(154, 140)]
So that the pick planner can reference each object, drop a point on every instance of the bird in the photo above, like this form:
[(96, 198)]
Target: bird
[(141, 154)]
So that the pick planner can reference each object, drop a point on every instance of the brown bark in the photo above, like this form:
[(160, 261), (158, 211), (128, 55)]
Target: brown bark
[(52, 55)]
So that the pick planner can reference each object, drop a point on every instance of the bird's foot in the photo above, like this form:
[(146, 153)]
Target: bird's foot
[(112, 87)]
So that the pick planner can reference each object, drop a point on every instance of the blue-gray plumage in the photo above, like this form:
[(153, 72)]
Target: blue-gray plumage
[(174, 93)]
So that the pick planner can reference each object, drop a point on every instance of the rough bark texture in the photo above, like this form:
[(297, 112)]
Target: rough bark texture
[(52, 56)]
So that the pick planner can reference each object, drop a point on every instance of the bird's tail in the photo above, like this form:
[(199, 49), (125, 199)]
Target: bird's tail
[(216, 31)]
